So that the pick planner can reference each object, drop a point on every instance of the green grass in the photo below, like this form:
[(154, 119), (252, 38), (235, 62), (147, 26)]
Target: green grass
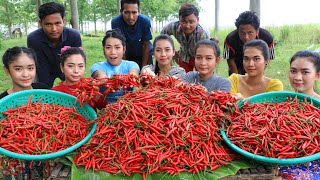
[(288, 40)]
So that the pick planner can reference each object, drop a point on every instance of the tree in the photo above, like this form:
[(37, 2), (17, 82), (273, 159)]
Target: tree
[(27, 15), (255, 6), (74, 14), (118, 6), (84, 13), (8, 13), (216, 15)]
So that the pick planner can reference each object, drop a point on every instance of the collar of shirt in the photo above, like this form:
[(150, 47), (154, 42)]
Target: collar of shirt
[(130, 27)]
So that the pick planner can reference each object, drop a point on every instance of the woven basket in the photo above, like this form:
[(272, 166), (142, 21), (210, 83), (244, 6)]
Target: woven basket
[(273, 97), (51, 97)]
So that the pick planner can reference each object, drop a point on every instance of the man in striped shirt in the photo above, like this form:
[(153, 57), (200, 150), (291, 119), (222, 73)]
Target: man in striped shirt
[(248, 28), (188, 32)]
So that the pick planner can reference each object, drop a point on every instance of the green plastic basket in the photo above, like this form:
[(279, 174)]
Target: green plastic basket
[(277, 96), (51, 97)]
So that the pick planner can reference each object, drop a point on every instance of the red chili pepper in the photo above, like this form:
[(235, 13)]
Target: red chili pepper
[(164, 126)]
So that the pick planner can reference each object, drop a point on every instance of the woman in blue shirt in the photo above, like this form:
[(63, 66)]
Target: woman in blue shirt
[(114, 47)]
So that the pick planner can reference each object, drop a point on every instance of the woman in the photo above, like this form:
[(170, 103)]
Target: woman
[(255, 60)]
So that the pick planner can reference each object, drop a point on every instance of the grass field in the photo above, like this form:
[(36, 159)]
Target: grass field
[(288, 40)]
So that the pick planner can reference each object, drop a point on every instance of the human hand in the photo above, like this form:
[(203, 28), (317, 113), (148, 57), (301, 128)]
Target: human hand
[(238, 97), (147, 71)]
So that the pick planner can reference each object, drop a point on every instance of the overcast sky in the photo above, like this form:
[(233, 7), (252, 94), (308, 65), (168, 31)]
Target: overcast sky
[(273, 12)]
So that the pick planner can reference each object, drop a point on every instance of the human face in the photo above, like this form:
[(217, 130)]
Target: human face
[(205, 61), (254, 62), (303, 75), (189, 23), (247, 32), (22, 72), (130, 13), (163, 52), (52, 26), (113, 51), (73, 69)]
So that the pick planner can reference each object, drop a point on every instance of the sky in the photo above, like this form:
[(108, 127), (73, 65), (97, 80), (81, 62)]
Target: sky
[(273, 12)]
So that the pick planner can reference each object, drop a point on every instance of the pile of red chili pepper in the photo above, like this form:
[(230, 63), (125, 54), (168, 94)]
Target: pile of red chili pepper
[(288, 129), (88, 90), (166, 126), (37, 128)]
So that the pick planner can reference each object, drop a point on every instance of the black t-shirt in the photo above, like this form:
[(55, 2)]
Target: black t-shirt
[(34, 86), (233, 47), (48, 58)]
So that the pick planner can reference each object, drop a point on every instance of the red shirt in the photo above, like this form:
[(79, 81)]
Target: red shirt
[(66, 89)]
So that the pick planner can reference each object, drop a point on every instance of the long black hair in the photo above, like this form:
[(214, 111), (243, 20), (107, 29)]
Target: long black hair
[(161, 37)]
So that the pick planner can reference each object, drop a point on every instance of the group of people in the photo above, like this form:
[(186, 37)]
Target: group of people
[(54, 51)]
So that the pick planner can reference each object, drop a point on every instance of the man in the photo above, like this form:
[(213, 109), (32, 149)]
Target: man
[(48, 40), (188, 32), (136, 28), (248, 28)]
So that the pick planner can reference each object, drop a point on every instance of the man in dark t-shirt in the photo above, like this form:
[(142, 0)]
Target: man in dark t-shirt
[(136, 28), (48, 40), (248, 28)]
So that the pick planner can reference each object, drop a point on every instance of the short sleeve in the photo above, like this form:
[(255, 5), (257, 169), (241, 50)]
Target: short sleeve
[(268, 38), (132, 65), (275, 85), (178, 72), (234, 80), (228, 51), (190, 77), (168, 29), (97, 66), (146, 36)]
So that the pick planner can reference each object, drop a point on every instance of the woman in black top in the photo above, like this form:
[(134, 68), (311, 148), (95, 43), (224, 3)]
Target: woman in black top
[(20, 64)]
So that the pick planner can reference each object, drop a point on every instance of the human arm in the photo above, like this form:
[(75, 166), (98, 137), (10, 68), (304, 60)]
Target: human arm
[(229, 52), (134, 72), (132, 68), (145, 52), (98, 74), (148, 70), (178, 72), (98, 70), (169, 29), (234, 80), (232, 66), (146, 37)]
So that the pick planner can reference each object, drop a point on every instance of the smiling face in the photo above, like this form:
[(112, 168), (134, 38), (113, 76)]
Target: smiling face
[(303, 75), (254, 62), (73, 68), (189, 23), (130, 13), (52, 26), (205, 61), (113, 51), (163, 52), (22, 72)]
